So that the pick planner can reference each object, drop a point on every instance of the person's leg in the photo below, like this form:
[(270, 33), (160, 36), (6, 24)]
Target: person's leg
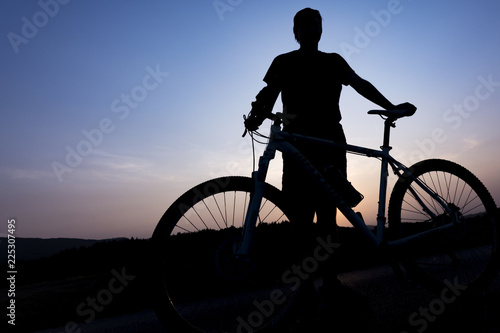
[(296, 190), (328, 231), (327, 213)]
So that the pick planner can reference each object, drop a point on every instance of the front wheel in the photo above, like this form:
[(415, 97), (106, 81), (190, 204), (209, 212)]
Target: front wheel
[(199, 285), (466, 254)]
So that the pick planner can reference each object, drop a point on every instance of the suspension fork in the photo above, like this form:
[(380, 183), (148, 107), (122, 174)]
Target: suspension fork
[(252, 214)]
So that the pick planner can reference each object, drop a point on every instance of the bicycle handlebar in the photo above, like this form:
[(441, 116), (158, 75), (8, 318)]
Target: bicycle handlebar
[(390, 114)]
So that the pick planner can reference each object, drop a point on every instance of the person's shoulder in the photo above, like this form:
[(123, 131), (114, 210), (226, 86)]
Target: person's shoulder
[(332, 55), (287, 55), (336, 59), (285, 59)]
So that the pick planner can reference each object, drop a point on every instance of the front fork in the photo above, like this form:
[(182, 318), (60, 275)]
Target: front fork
[(252, 214)]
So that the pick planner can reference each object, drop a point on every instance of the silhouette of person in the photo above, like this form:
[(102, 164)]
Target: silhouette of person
[(310, 83)]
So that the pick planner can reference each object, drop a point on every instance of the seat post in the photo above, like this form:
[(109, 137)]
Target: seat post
[(389, 122)]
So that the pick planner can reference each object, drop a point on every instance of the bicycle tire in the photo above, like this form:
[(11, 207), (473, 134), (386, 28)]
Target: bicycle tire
[(197, 286), (465, 255)]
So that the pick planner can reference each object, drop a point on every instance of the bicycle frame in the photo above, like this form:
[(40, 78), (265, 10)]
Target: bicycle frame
[(281, 141)]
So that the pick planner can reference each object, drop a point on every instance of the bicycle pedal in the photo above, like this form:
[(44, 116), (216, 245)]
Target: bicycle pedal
[(346, 190), (354, 197)]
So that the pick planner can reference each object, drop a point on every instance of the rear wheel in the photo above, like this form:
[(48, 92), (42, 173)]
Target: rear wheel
[(465, 254), (199, 284)]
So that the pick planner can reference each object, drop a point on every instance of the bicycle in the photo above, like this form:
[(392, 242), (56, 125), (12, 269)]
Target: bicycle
[(221, 268)]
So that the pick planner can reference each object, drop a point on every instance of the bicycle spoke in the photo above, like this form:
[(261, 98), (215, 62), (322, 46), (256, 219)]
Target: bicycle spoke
[(202, 281), (234, 207), (466, 248), (220, 212), (270, 212), (201, 219)]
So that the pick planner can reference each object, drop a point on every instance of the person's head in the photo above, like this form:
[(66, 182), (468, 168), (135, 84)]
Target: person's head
[(307, 26)]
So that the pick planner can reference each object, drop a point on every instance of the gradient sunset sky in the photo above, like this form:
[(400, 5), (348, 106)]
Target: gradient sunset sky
[(112, 109)]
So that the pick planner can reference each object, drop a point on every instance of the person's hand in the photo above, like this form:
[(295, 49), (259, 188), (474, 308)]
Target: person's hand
[(252, 123), (405, 106)]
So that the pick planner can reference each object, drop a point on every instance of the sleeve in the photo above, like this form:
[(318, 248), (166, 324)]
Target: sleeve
[(266, 98), (273, 76), (344, 69)]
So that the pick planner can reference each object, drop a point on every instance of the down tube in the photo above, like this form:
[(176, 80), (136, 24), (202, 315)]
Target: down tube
[(358, 223), (347, 211)]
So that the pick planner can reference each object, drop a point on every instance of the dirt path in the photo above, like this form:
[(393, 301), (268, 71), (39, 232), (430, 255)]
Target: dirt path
[(373, 302)]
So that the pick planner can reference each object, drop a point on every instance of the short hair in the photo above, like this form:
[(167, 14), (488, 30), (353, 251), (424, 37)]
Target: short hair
[(304, 15)]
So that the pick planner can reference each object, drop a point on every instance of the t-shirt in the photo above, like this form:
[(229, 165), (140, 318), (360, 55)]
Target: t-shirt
[(310, 85)]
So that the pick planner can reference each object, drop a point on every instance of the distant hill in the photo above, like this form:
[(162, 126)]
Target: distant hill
[(50, 288), (36, 248)]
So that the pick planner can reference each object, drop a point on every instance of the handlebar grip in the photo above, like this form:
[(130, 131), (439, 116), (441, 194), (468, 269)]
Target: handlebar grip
[(244, 133)]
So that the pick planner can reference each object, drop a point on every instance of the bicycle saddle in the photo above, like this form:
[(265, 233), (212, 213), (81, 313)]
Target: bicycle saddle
[(399, 113)]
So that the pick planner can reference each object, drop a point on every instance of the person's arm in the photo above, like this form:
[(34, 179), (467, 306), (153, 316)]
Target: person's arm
[(262, 107), (368, 91)]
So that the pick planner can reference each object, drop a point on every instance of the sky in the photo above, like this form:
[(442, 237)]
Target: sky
[(112, 109)]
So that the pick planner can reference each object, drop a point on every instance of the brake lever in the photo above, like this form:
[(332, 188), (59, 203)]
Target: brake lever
[(244, 133)]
